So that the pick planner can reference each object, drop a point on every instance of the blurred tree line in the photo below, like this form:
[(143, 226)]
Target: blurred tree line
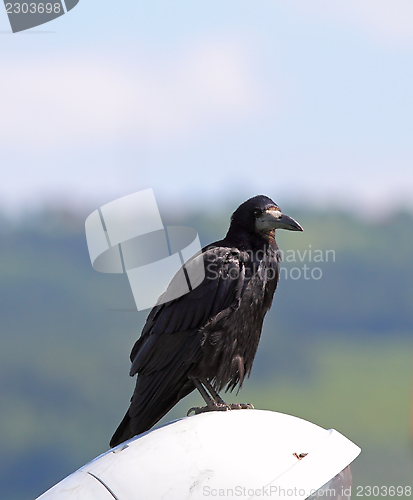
[(336, 346)]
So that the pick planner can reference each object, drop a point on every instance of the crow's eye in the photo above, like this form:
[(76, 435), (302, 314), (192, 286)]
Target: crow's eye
[(257, 213)]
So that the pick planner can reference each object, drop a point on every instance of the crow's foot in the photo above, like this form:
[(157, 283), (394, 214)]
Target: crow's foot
[(212, 407), (196, 410), (241, 406)]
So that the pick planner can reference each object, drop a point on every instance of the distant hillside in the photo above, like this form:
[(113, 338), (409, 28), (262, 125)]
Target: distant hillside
[(64, 351)]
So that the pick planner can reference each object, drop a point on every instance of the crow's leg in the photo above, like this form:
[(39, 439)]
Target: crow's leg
[(217, 397), (210, 401), (213, 403), (213, 399), (213, 392)]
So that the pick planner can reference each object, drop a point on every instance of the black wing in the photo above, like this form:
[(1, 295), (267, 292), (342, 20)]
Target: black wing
[(219, 293), (170, 344)]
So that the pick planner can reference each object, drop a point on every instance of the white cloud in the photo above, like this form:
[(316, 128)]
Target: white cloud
[(386, 21), (61, 100)]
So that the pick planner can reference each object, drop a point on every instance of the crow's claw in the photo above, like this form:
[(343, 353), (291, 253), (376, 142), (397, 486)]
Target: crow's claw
[(196, 410), (241, 406), (213, 407)]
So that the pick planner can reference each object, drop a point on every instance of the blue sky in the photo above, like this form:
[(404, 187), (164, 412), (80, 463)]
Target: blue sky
[(307, 102)]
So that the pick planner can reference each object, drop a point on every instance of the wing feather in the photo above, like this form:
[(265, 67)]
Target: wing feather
[(169, 325)]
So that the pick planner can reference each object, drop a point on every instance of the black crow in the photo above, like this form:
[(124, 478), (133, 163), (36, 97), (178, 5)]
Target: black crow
[(207, 339)]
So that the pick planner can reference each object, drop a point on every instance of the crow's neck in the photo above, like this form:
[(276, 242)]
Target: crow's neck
[(254, 241)]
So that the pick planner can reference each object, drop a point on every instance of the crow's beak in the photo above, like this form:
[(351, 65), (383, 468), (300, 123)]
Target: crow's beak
[(274, 219)]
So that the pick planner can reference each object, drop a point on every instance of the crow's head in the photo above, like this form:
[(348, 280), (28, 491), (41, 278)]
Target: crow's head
[(261, 215)]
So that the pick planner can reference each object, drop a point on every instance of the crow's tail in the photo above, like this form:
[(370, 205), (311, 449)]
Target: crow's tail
[(123, 432)]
